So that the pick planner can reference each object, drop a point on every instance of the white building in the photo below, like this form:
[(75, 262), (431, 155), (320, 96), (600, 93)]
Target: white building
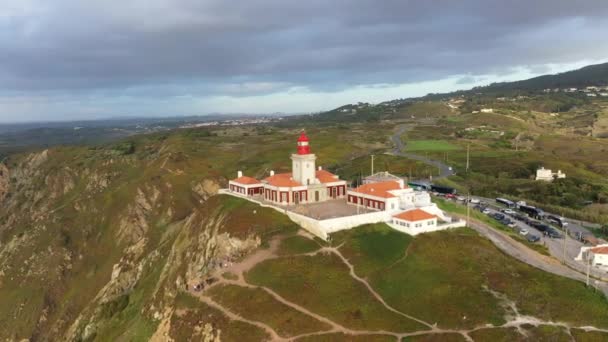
[(304, 184), (389, 195), (547, 175), (487, 110), (414, 221), (596, 256)]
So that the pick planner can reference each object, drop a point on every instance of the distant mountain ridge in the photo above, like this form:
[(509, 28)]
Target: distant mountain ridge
[(591, 75)]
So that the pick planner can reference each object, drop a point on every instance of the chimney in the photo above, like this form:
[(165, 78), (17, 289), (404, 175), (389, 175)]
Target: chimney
[(239, 174), (271, 173)]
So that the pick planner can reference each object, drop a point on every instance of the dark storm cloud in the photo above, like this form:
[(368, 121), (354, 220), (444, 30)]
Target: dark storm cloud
[(155, 47)]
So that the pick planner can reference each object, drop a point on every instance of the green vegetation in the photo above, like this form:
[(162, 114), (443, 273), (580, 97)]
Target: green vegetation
[(430, 146), (547, 333), (373, 246), (435, 338), (194, 315), (257, 304), (588, 336), (341, 337), (459, 261), (497, 335), (322, 284), (297, 245)]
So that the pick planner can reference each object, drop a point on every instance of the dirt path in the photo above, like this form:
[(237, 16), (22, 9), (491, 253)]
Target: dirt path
[(273, 334), (513, 319), (373, 292)]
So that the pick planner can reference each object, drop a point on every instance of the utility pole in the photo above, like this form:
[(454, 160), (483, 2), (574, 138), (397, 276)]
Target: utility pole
[(565, 238), (467, 169), (372, 164), (588, 268), (468, 209)]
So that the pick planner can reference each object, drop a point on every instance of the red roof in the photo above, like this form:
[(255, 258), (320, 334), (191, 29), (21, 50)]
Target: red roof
[(379, 189), (303, 137), (600, 250), (282, 180), (414, 215), (326, 176), (246, 180)]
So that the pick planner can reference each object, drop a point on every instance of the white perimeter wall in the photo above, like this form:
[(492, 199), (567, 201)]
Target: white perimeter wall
[(426, 229), (322, 228)]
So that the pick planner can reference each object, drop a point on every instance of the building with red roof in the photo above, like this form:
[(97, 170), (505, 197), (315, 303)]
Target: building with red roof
[(596, 256), (245, 185), (304, 184), (416, 221)]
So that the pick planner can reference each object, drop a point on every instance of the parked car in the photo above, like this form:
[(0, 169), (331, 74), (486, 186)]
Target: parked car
[(519, 217), (486, 211), (461, 198), (506, 221), (552, 233), (512, 224), (498, 216), (523, 232), (450, 196), (474, 201), (532, 238), (508, 211)]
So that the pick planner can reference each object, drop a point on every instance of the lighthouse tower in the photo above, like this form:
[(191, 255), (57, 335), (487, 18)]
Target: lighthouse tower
[(303, 162)]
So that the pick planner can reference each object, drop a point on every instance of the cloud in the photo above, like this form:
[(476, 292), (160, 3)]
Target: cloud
[(146, 49)]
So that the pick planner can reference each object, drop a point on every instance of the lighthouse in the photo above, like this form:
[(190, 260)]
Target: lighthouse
[(303, 162)]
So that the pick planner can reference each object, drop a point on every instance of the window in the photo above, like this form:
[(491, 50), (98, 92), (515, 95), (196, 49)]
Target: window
[(430, 223)]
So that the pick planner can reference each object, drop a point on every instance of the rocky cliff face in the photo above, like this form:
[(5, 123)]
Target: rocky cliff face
[(4, 182), (92, 246)]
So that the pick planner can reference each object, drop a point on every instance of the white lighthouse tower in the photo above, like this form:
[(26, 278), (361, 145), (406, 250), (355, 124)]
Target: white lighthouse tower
[(303, 162)]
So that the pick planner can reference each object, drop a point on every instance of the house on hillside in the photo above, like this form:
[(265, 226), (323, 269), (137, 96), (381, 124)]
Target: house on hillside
[(547, 175)]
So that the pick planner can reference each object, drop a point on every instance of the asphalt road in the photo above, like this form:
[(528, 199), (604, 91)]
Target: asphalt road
[(531, 257), (568, 267), (565, 249), (444, 170)]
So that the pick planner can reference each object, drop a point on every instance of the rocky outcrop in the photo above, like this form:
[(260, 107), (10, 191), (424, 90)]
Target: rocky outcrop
[(206, 189), (4, 182)]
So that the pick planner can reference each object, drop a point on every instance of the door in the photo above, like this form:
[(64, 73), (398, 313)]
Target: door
[(296, 198), (316, 196)]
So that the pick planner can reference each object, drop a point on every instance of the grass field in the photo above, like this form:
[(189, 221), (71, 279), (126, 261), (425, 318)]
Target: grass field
[(259, 305), (435, 338), (430, 146), (589, 336), (297, 245), (188, 324), (340, 337), (459, 261), (322, 284), (497, 335)]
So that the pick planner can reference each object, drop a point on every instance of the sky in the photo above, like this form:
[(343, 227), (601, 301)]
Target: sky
[(74, 59)]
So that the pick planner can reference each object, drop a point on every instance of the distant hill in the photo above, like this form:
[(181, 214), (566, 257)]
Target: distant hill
[(587, 76)]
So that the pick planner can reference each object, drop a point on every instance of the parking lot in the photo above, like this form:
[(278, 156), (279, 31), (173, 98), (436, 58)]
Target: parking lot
[(562, 246)]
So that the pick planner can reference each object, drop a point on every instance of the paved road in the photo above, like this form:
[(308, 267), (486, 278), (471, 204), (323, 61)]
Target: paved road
[(444, 170), (530, 257)]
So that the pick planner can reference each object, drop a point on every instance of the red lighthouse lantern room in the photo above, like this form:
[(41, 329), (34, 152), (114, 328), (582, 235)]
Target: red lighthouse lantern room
[(303, 147)]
